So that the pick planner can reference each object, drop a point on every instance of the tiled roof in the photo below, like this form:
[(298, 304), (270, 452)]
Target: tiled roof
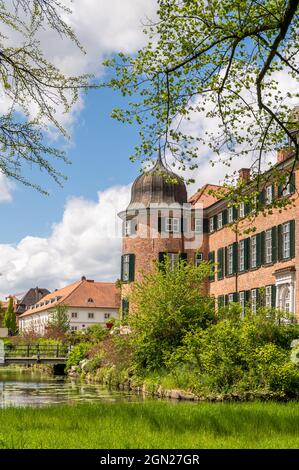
[(203, 197), (83, 293)]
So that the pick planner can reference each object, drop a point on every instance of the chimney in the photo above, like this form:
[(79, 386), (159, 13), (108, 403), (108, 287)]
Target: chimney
[(283, 154), (244, 174)]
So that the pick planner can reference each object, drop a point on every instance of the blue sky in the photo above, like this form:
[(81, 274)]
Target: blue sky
[(99, 153)]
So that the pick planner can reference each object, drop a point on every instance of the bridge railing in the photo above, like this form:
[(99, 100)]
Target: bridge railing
[(36, 350)]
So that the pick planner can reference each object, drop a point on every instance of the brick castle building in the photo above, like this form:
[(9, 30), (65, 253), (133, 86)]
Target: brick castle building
[(259, 268)]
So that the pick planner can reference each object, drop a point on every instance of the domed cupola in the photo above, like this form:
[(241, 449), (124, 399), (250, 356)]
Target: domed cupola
[(157, 186)]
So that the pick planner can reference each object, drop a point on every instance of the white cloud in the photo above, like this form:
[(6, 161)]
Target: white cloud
[(6, 188), (86, 241)]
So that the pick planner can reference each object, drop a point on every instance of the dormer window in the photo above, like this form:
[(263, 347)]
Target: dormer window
[(90, 300), (211, 224)]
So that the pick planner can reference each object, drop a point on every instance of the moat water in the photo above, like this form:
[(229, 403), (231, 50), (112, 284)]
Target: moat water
[(25, 387)]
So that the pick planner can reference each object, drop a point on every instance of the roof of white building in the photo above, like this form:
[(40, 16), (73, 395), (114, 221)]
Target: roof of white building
[(83, 293)]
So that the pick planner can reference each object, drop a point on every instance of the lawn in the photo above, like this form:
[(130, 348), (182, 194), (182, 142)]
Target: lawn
[(152, 424)]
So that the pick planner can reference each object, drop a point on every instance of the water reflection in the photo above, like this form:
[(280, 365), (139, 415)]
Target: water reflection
[(31, 388)]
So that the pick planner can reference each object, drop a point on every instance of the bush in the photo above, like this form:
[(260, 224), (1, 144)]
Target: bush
[(77, 354), (238, 355), (167, 303)]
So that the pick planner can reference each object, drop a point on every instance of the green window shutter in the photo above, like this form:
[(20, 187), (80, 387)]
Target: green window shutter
[(211, 258), (183, 257), (220, 301), (292, 238), (124, 308), (292, 183), (206, 225), (215, 222), (247, 296), (161, 258), (226, 299), (258, 249), (224, 217), (235, 257), (246, 209), (279, 242), (236, 296), (280, 189), (261, 198), (246, 253), (263, 247), (220, 256), (225, 262), (235, 213), (274, 244), (273, 295), (122, 268), (131, 267)]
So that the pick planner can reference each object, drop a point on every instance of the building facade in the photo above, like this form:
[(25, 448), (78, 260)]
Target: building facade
[(258, 268), (87, 302)]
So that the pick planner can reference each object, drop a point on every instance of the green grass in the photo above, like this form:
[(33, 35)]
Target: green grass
[(152, 424)]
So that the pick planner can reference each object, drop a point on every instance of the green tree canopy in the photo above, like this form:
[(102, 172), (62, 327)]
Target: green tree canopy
[(28, 78), (214, 59), (166, 303), (10, 317), (58, 319)]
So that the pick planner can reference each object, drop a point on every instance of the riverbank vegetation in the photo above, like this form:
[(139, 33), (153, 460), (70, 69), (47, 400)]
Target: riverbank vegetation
[(175, 340), (153, 424)]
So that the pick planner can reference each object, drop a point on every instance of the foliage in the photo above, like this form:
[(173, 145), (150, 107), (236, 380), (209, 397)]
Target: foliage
[(58, 322), (236, 355), (95, 333), (28, 80), (10, 321), (2, 313), (219, 60), (166, 304), (77, 354)]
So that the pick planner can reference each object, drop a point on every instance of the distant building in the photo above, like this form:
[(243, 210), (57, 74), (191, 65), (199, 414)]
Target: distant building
[(88, 303), (34, 295)]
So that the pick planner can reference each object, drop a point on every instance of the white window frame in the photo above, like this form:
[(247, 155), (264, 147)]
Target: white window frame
[(230, 257), (211, 224), (106, 316), (286, 190), (198, 258), (220, 220), (268, 246), (74, 328), (269, 194), (253, 251), (286, 240), (128, 228), (253, 300), (173, 259), (268, 296), (230, 298), (198, 225), (74, 315), (241, 255), (90, 315), (230, 215), (242, 209), (172, 225)]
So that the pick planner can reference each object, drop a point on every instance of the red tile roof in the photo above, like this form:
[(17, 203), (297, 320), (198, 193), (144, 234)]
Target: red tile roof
[(83, 293), (203, 197)]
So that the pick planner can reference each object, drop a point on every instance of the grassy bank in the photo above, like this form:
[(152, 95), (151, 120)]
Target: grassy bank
[(152, 425)]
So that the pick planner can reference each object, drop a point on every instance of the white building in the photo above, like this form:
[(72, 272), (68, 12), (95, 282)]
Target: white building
[(88, 303)]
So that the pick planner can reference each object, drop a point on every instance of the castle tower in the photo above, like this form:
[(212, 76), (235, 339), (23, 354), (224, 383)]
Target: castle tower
[(152, 224)]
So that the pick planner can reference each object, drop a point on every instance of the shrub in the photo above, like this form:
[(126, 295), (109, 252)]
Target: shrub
[(77, 354), (167, 303)]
